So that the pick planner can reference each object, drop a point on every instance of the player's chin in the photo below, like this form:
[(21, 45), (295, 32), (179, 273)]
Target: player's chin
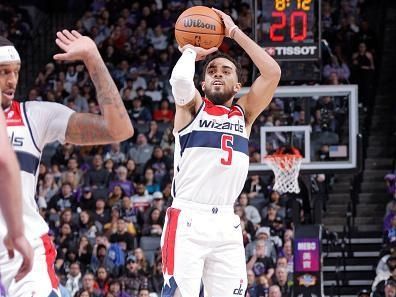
[(5, 102)]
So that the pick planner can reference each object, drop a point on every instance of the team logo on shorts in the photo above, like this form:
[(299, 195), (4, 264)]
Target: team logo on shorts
[(239, 291)]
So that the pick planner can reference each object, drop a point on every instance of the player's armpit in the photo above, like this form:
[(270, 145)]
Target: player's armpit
[(90, 129)]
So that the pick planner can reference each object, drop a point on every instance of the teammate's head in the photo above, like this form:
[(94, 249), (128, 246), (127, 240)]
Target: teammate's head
[(10, 65), (221, 78)]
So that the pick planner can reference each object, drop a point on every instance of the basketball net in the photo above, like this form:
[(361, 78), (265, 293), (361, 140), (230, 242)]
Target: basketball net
[(286, 168)]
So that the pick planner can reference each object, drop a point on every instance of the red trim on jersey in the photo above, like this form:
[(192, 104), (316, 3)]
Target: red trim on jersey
[(50, 256), (235, 112), (168, 249), (13, 115), (219, 110)]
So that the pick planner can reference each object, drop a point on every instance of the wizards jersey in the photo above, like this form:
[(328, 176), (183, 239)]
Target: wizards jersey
[(30, 126), (211, 156)]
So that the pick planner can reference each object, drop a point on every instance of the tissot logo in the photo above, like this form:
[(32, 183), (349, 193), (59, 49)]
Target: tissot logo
[(296, 50), (199, 24)]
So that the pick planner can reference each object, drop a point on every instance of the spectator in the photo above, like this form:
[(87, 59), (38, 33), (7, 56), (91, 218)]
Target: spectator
[(259, 262), (262, 233), (164, 113), (89, 284), (154, 136), (248, 226), (65, 199), (101, 214), (151, 185), (281, 279), (274, 291), (48, 187), (251, 212), (132, 279), (109, 255), (139, 114), (122, 181), (160, 164), (84, 253), (115, 196), (74, 279), (141, 152), (156, 279), (87, 202), (154, 223), (115, 154), (122, 236), (102, 281), (115, 289), (87, 226), (97, 177), (142, 199)]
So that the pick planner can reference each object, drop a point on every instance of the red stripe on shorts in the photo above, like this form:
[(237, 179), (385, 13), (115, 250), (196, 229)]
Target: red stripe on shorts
[(50, 256), (168, 249)]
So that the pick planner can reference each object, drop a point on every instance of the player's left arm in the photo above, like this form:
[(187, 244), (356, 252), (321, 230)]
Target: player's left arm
[(263, 88), (113, 124)]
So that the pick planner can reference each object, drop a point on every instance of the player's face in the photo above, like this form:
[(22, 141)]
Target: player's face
[(9, 74), (221, 81)]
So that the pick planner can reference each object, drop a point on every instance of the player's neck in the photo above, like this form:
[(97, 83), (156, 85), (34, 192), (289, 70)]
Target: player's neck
[(6, 105)]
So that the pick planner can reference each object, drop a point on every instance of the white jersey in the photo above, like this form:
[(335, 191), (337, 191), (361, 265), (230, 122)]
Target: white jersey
[(30, 126), (211, 156)]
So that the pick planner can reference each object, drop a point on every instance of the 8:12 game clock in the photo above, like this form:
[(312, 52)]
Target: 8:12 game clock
[(290, 29)]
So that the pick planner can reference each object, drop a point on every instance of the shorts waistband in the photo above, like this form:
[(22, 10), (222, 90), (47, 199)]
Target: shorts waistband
[(207, 208)]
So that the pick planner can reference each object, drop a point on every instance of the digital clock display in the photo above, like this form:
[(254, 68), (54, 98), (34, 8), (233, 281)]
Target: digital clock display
[(290, 29)]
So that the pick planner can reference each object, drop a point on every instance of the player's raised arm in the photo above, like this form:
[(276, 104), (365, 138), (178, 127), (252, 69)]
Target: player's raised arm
[(113, 124), (187, 97), (263, 88), (11, 203)]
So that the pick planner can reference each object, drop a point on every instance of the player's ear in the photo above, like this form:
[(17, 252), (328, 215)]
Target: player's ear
[(237, 87), (203, 85)]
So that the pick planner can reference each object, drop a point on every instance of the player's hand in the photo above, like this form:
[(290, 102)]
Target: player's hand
[(75, 46), (228, 22), (24, 248), (201, 52)]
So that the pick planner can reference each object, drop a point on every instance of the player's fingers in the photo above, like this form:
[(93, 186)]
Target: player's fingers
[(76, 33), (62, 38), (24, 269), (69, 35), (61, 44), (61, 56), (11, 253)]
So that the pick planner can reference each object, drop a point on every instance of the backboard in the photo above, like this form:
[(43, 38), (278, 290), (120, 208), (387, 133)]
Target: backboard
[(320, 121)]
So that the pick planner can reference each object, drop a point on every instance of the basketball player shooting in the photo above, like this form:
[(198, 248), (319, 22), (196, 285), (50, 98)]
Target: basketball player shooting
[(30, 126), (10, 189), (203, 237)]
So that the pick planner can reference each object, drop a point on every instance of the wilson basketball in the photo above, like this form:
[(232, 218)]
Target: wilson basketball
[(199, 26)]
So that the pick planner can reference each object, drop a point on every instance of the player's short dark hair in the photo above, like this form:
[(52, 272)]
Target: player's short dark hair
[(5, 42), (218, 54)]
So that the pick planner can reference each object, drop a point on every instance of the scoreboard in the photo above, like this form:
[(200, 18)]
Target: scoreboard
[(290, 29)]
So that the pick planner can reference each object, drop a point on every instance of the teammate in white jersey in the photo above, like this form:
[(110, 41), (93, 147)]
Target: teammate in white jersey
[(30, 127), (202, 237), (10, 189)]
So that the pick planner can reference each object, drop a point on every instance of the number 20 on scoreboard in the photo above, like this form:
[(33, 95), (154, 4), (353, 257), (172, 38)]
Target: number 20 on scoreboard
[(292, 29)]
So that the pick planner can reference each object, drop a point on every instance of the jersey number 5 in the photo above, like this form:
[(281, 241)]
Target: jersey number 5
[(226, 145)]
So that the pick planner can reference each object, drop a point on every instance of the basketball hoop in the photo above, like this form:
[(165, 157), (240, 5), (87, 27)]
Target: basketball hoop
[(286, 167)]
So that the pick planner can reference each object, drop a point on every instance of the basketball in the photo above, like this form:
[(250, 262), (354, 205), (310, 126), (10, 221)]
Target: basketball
[(199, 26)]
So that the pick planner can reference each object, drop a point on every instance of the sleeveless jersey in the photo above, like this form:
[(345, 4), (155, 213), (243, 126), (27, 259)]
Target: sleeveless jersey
[(20, 127), (211, 156)]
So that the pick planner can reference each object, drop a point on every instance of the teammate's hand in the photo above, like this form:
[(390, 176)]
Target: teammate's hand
[(24, 248), (201, 52), (75, 45), (228, 22)]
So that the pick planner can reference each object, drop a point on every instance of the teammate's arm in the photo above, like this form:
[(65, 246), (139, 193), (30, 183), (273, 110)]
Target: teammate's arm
[(187, 98), (113, 124), (263, 88), (11, 203)]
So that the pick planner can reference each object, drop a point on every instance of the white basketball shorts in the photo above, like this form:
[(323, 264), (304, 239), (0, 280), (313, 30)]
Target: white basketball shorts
[(202, 242)]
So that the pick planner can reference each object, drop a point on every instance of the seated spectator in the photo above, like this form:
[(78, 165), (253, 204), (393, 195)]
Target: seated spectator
[(87, 226), (160, 163), (97, 177), (255, 187), (143, 264), (89, 284), (269, 217), (109, 166), (164, 113), (122, 236), (259, 262), (87, 202), (84, 252), (109, 255), (101, 214), (115, 196), (156, 279), (262, 233), (65, 239), (144, 292), (386, 288), (168, 142), (141, 151), (339, 67), (102, 281), (251, 212), (48, 187), (282, 262), (122, 181), (139, 113), (115, 154), (142, 199), (128, 212), (83, 293), (248, 226), (274, 291), (131, 169), (281, 279), (154, 136), (150, 183), (116, 290), (132, 278), (74, 279), (251, 283), (262, 286), (384, 266), (153, 225), (65, 199), (287, 252), (390, 233)]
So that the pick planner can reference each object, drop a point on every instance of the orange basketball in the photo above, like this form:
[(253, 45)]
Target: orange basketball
[(199, 26)]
